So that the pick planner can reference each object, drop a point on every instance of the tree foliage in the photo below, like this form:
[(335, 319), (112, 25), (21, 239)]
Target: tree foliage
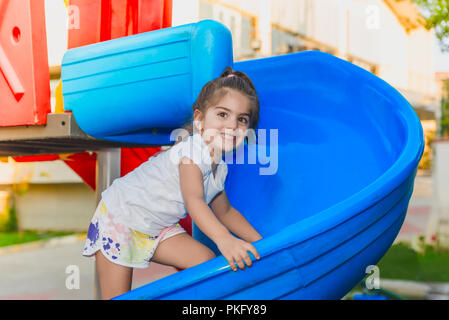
[(436, 13), (444, 129)]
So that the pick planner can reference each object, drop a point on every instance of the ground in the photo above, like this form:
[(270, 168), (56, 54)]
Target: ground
[(419, 209)]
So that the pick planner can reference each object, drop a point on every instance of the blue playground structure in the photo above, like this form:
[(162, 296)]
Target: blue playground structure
[(343, 167)]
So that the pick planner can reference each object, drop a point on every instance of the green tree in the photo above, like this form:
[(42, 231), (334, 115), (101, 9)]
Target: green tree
[(444, 124), (436, 14)]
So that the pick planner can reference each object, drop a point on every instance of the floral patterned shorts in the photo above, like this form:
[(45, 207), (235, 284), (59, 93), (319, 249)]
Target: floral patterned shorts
[(121, 244)]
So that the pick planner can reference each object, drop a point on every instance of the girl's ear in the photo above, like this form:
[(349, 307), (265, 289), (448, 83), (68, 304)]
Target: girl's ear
[(197, 115), (197, 120)]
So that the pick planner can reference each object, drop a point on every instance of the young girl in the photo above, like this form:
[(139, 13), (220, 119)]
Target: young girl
[(137, 219)]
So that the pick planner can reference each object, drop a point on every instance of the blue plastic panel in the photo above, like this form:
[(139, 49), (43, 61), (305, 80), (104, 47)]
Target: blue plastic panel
[(139, 88)]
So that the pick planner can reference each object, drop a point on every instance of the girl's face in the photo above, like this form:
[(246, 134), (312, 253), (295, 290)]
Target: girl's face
[(225, 124)]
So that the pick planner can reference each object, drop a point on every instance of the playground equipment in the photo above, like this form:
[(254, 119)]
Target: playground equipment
[(341, 172), (25, 88), (29, 131)]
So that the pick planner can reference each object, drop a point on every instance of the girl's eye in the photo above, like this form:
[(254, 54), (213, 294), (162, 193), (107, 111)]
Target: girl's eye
[(222, 114), (244, 120)]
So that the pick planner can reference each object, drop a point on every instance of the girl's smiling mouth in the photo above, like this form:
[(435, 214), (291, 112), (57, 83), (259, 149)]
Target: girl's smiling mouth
[(229, 137)]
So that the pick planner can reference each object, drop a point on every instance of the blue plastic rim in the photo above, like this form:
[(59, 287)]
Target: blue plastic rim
[(348, 149)]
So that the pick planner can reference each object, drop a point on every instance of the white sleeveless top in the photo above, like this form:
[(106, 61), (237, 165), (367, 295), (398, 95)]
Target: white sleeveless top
[(149, 198)]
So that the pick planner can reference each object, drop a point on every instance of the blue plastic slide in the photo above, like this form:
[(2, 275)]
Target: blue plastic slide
[(336, 157)]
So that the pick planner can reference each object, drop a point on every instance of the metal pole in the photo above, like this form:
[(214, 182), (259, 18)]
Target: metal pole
[(107, 170)]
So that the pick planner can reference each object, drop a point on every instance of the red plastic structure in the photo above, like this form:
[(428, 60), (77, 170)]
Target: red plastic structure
[(110, 19), (24, 72)]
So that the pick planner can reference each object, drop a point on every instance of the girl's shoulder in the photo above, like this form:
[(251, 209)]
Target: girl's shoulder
[(194, 148)]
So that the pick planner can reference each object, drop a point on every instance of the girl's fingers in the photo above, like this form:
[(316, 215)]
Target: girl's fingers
[(240, 263), (253, 251), (231, 263), (239, 260), (247, 259)]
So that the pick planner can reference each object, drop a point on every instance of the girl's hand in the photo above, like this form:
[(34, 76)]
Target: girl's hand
[(236, 249)]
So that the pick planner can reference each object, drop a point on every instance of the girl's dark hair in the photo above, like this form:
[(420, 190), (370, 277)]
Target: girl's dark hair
[(215, 89)]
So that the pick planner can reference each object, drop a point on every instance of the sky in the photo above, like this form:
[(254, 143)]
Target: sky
[(56, 20)]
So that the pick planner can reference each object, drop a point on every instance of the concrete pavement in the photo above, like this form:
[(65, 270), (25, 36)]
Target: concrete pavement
[(419, 209), (41, 274)]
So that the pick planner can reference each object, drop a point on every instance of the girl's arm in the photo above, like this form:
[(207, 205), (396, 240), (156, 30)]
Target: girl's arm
[(192, 190), (233, 219)]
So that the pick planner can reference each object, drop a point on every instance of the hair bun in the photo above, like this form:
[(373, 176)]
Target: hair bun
[(231, 72), (228, 71)]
